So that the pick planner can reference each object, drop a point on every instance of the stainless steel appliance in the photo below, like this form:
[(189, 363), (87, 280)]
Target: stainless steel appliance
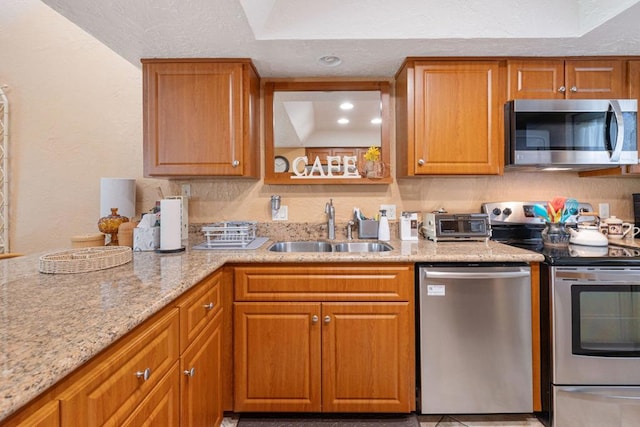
[(571, 134), (475, 338), (595, 351), (589, 322), (438, 226)]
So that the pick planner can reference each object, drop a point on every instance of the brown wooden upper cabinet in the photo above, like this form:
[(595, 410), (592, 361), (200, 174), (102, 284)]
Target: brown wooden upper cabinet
[(201, 117), (566, 79), (449, 118)]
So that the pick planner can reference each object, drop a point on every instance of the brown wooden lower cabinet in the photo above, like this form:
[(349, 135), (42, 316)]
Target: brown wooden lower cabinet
[(201, 385), (144, 378), (323, 357), (339, 353), (115, 384), (161, 406)]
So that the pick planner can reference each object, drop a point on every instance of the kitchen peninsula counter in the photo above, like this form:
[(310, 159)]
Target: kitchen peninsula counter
[(50, 324)]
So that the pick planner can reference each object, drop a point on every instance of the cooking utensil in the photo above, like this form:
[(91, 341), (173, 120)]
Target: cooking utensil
[(570, 208), (552, 212), (540, 211)]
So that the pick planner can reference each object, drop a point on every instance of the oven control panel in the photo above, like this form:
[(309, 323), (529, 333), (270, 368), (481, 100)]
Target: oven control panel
[(523, 212)]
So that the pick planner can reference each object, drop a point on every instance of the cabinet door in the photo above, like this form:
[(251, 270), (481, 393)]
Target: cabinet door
[(118, 381), (314, 152), (198, 119), (458, 117), (277, 357), (599, 79), (199, 308), (367, 357), (161, 408), (201, 383), (534, 79)]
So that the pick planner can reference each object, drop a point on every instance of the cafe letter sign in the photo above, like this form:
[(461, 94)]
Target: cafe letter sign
[(349, 168)]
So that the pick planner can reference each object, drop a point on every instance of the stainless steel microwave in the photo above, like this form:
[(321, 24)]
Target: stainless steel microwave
[(576, 134)]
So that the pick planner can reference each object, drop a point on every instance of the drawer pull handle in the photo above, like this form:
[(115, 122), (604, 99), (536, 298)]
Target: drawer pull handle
[(235, 163), (314, 318), (421, 162), (208, 306), (190, 372), (327, 319), (144, 374), (573, 89), (562, 89)]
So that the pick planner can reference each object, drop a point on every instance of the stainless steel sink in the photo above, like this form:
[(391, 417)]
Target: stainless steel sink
[(362, 247), (318, 246), (310, 246)]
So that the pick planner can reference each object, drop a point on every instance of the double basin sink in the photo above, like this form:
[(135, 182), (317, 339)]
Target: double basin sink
[(321, 246)]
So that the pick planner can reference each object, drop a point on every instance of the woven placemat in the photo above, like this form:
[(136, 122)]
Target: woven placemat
[(84, 260)]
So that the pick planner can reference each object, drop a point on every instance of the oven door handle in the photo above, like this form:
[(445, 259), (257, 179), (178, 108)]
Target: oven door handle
[(476, 275), (577, 277)]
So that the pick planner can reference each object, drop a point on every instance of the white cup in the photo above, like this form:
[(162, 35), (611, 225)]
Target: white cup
[(615, 228)]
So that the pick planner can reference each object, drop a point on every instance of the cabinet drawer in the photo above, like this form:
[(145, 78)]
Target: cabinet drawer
[(324, 282), (162, 406), (112, 385), (198, 308)]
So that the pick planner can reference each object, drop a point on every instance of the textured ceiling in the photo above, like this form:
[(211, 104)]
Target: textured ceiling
[(286, 37)]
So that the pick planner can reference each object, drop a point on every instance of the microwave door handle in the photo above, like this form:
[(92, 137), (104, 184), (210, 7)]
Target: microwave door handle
[(617, 149)]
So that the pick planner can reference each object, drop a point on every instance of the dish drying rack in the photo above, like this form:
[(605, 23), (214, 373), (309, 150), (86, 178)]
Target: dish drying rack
[(229, 233)]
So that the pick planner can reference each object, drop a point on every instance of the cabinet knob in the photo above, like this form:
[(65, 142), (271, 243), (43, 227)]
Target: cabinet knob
[(421, 162), (208, 306), (235, 163), (190, 372), (144, 374), (573, 89), (314, 319), (327, 319), (562, 89)]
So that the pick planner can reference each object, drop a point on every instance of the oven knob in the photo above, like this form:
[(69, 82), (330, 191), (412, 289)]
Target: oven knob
[(507, 211), (496, 211)]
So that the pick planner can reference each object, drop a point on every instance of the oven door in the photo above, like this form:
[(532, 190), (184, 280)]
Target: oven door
[(596, 325)]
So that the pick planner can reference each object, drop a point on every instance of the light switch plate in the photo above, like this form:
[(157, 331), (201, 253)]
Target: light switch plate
[(603, 210), (281, 214), (391, 211)]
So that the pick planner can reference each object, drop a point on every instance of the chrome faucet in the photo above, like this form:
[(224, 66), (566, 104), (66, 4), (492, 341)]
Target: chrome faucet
[(331, 220)]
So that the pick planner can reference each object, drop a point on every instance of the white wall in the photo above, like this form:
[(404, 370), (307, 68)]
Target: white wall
[(76, 116)]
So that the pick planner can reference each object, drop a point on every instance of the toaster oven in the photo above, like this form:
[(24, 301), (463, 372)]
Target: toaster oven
[(456, 227)]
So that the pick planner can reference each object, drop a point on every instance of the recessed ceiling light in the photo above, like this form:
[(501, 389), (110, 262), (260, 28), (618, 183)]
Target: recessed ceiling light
[(343, 121), (376, 121), (346, 106), (330, 60)]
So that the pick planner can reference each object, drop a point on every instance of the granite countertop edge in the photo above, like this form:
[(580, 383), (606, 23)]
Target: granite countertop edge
[(51, 324)]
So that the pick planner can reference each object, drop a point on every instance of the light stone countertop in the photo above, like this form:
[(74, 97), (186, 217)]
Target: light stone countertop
[(50, 324)]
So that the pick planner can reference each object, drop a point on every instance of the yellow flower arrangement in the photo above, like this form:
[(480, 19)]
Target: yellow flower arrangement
[(372, 154)]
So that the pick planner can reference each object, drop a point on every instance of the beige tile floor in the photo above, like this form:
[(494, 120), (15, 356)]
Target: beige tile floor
[(455, 421)]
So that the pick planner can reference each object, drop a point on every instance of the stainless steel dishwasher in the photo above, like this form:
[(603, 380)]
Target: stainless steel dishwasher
[(475, 338)]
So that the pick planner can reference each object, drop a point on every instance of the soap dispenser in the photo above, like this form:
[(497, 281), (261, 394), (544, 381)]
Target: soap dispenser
[(383, 227)]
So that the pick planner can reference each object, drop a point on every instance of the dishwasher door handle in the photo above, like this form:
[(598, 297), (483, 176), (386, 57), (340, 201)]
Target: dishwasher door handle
[(476, 275)]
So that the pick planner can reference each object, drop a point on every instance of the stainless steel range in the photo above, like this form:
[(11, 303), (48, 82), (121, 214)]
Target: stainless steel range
[(590, 324)]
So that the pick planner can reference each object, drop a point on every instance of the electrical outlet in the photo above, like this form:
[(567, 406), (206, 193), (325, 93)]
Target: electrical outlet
[(281, 214), (186, 190), (603, 210), (391, 211)]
